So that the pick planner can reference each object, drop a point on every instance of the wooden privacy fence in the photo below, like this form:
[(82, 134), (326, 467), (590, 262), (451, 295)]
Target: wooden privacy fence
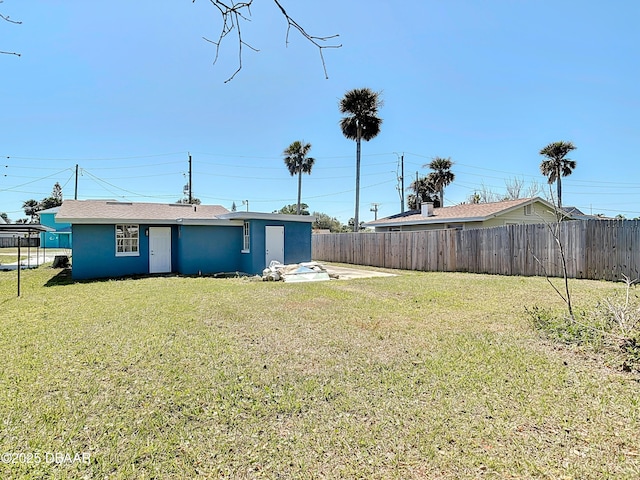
[(594, 249)]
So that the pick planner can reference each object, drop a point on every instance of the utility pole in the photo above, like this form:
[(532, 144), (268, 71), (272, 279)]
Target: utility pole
[(374, 209), (190, 189), (75, 196), (400, 186), (402, 183)]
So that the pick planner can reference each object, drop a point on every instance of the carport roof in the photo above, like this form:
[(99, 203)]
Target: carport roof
[(24, 228)]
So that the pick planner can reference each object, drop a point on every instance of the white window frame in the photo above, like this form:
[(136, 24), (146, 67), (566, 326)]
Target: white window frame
[(528, 209), (127, 242), (246, 237)]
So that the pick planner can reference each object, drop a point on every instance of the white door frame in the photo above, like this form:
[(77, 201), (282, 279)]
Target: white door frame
[(159, 249), (273, 244)]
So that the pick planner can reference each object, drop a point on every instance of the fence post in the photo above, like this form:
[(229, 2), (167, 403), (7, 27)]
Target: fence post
[(19, 266)]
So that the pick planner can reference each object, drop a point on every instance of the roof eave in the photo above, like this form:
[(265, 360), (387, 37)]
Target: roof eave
[(146, 221), (209, 222), (111, 221), (435, 221), (268, 216)]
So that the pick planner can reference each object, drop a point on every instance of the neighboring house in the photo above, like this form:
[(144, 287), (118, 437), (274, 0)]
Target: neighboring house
[(577, 214), (470, 215), (60, 236), (113, 239)]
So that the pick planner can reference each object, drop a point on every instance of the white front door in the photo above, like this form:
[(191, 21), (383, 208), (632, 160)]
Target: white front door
[(159, 249), (274, 244)]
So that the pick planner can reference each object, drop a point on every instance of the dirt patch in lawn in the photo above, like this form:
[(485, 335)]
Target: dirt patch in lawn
[(350, 273)]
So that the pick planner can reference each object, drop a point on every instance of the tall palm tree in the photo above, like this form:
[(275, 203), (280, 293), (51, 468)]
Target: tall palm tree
[(557, 165), (297, 161), (441, 176), (361, 122)]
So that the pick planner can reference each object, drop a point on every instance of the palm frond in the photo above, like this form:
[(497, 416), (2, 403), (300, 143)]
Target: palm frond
[(360, 107), (295, 158), (556, 164)]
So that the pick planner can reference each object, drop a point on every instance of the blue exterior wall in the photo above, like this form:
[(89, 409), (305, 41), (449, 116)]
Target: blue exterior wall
[(94, 253), (175, 254), (54, 239), (297, 244), (209, 249), (194, 249)]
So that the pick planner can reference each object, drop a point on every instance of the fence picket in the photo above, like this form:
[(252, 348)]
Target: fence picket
[(594, 249)]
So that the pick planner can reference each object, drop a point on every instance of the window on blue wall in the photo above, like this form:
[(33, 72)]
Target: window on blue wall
[(127, 240), (245, 238)]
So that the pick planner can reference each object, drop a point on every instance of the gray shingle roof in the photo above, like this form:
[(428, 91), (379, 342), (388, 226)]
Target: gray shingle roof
[(465, 212), (105, 210)]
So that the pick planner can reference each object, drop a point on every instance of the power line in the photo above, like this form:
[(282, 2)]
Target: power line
[(33, 181), (95, 159)]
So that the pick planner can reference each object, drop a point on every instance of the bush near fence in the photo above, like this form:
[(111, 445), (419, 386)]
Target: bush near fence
[(594, 249)]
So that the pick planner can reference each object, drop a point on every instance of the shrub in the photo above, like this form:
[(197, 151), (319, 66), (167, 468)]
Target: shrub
[(612, 326)]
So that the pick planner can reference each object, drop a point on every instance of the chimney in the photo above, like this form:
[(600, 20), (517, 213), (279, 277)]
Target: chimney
[(427, 209)]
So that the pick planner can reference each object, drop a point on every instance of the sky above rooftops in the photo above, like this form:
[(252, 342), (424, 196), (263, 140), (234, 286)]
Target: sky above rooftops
[(126, 90)]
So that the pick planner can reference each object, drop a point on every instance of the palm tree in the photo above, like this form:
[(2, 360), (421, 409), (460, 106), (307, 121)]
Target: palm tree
[(424, 190), (297, 161), (442, 175), (557, 165), (361, 122)]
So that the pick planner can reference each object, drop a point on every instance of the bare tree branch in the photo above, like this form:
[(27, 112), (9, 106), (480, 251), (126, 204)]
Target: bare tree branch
[(313, 39), (6, 18), (234, 13)]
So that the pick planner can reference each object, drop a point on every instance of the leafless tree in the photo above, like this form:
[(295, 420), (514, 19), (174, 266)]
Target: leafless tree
[(484, 195), (234, 15), (6, 18), (555, 229), (517, 188)]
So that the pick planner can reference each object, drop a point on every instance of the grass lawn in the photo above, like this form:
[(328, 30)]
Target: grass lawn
[(423, 375)]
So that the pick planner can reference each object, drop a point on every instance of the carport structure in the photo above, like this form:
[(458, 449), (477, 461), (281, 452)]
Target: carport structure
[(19, 230)]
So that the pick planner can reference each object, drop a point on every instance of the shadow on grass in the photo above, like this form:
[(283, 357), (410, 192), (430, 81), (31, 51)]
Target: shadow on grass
[(64, 277)]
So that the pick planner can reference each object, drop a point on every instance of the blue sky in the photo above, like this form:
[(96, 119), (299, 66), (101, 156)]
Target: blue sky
[(127, 89)]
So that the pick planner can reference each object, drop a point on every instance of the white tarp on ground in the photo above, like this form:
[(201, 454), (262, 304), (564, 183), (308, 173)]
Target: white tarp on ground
[(299, 272)]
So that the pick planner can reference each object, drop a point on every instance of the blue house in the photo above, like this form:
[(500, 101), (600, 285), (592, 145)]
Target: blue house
[(114, 239), (60, 236)]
